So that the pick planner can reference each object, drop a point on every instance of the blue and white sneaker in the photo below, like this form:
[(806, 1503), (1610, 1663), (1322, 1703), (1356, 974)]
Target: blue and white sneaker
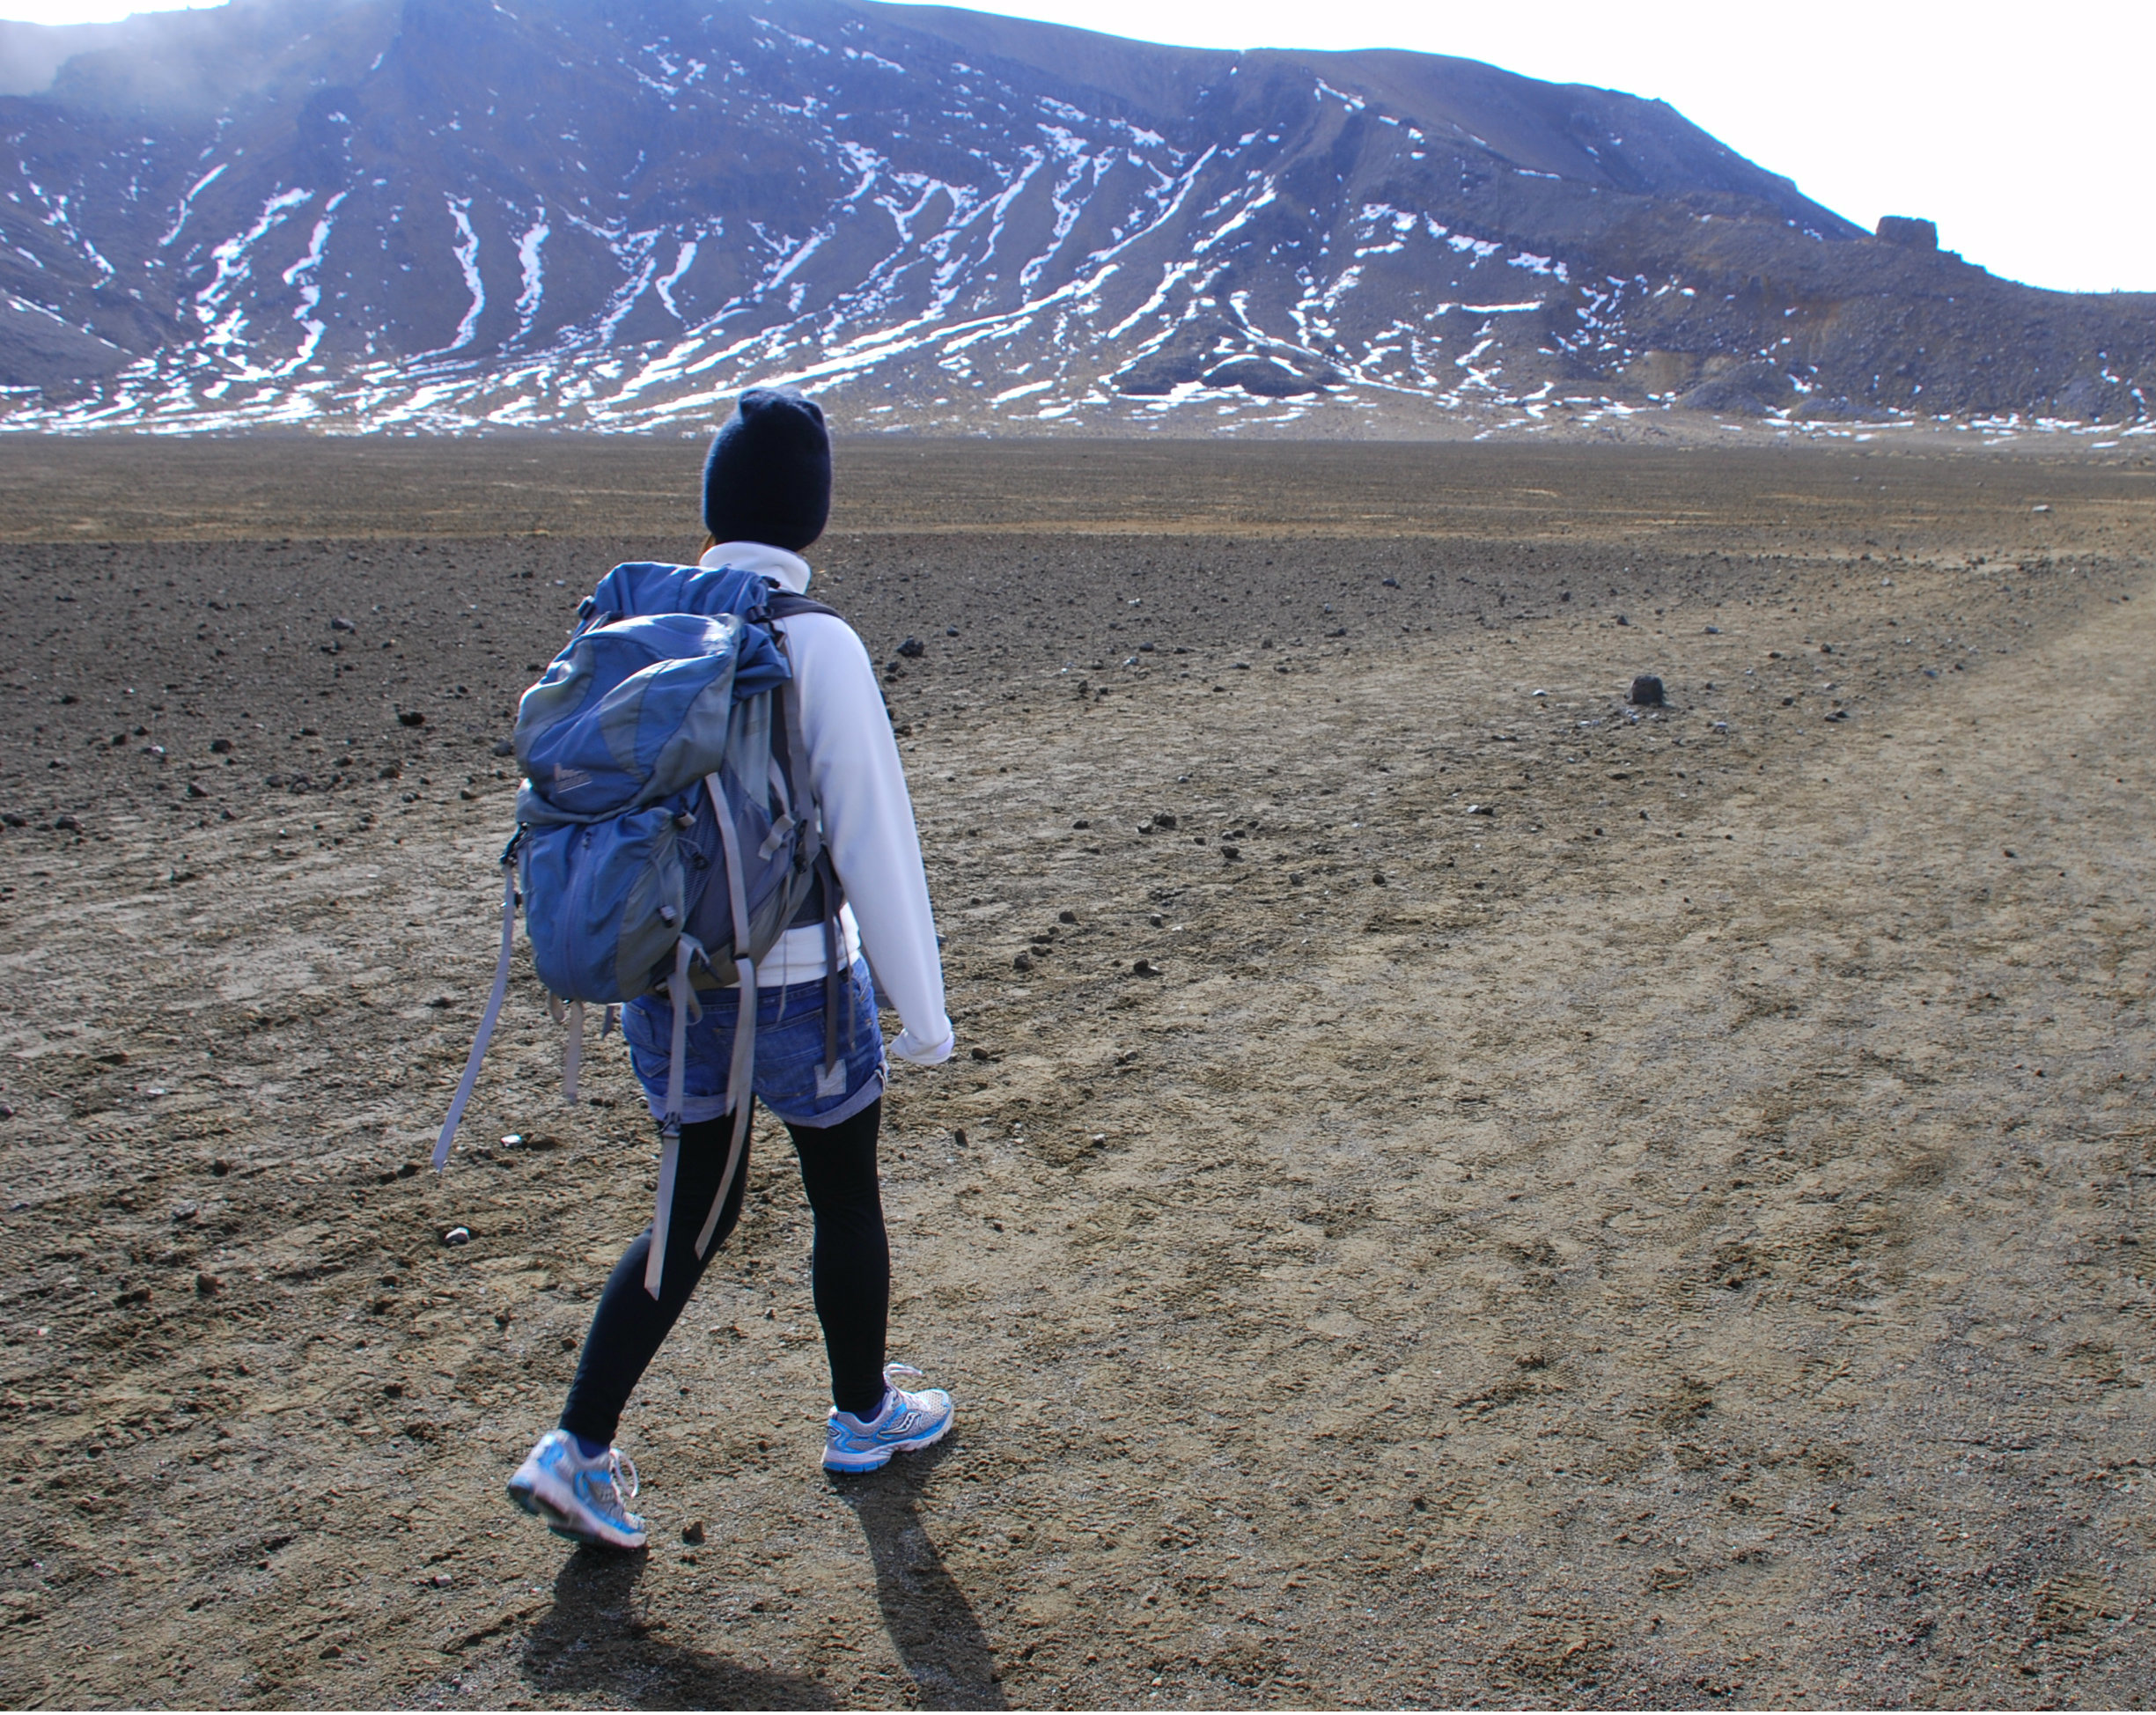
[(578, 1497), (907, 1423)]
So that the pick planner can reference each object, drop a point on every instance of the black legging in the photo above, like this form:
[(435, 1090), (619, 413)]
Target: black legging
[(850, 1267)]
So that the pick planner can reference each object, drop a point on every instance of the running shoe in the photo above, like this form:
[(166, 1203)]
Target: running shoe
[(907, 1423), (578, 1497)]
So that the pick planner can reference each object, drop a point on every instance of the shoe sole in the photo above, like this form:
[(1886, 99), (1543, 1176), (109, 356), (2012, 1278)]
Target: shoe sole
[(914, 1446), (531, 1501)]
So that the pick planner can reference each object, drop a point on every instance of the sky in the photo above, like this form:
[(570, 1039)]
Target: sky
[(2022, 130)]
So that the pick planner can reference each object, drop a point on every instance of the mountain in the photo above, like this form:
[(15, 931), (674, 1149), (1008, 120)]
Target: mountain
[(613, 213)]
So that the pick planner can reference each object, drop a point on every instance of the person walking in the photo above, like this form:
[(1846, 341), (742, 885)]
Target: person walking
[(767, 494)]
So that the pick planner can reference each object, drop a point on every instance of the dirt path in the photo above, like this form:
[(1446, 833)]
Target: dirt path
[(1674, 1239)]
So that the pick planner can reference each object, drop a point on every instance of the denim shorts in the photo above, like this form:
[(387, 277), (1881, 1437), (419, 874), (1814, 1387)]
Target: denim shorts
[(789, 1051)]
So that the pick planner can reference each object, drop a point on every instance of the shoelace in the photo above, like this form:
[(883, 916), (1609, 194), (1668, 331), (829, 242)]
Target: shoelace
[(903, 1419), (617, 1461), (891, 1373)]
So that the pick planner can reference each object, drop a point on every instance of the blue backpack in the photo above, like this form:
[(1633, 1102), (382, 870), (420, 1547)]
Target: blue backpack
[(664, 823)]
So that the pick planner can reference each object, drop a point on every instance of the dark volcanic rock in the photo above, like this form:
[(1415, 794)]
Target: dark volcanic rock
[(1908, 230), (612, 212)]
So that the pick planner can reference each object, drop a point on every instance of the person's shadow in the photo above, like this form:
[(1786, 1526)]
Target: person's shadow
[(931, 1626), (598, 1639)]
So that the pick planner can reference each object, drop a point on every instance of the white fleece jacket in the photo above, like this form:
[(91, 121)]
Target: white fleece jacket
[(854, 769)]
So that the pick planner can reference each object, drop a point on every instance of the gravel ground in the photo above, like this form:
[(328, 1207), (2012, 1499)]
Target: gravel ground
[(1454, 1190)]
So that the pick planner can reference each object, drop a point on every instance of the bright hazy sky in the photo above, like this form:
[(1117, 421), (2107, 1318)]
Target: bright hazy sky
[(2023, 130)]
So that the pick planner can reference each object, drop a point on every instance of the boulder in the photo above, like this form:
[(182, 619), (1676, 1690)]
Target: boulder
[(1266, 377), (1909, 230), (1748, 390)]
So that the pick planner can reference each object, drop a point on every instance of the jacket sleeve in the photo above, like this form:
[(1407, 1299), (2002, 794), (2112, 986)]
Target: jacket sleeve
[(855, 771)]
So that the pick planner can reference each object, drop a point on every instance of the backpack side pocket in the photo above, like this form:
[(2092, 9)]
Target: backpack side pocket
[(603, 904)]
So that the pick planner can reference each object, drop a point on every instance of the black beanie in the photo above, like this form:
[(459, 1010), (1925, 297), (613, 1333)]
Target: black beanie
[(768, 476)]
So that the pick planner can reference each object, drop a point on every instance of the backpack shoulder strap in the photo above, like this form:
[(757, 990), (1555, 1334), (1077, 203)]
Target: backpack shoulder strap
[(784, 604)]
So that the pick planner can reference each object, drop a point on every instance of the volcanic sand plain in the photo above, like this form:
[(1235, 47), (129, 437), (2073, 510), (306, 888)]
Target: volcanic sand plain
[(1453, 1188)]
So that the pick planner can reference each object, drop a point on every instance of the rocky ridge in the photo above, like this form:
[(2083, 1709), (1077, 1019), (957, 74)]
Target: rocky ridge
[(444, 214)]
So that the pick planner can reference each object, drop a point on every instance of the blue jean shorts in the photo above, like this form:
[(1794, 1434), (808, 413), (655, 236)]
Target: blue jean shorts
[(789, 1051)]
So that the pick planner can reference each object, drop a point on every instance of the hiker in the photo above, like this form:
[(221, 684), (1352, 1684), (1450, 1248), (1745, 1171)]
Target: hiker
[(818, 1062)]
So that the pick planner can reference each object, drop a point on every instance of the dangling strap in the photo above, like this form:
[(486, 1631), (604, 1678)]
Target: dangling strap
[(682, 994), (572, 1055), (740, 1075), (837, 976), (493, 1012), (684, 998), (726, 1180), (669, 1158)]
